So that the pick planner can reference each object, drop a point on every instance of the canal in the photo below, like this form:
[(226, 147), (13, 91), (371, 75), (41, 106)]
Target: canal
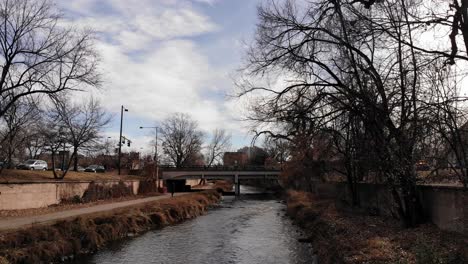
[(250, 229)]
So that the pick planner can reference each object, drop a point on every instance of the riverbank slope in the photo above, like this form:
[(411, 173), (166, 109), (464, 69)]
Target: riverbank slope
[(340, 237), (86, 234)]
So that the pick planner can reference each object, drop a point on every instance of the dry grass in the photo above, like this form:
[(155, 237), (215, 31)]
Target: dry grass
[(45, 244), (8, 176), (443, 177), (349, 238), (225, 186)]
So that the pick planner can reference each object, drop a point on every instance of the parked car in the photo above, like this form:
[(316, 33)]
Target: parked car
[(81, 169), (95, 168), (33, 164)]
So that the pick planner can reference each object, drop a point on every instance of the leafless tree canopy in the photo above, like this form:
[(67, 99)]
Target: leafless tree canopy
[(220, 143), (278, 149), (357, 71), (40, 55), (17, 130), (182, 141), (82, 123)]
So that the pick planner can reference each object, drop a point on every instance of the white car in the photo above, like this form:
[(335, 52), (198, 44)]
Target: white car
[(33, 165)]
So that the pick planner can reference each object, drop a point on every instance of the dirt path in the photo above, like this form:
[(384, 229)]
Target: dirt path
[(11, 223)]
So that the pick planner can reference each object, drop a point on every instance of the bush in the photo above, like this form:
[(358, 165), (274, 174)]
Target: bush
[(76, 199)]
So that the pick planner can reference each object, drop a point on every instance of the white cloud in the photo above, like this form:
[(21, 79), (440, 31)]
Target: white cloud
[(174, 23), (136, 25), (150, 63), (210, 2), (130, 41), (167, 80)]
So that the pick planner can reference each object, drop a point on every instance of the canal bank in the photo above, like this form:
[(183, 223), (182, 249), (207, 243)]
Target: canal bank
[(351, 237), (86, 234), (252, 228)]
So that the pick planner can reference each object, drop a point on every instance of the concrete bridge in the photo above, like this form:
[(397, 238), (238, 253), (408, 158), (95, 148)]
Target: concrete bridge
[(233, 173)]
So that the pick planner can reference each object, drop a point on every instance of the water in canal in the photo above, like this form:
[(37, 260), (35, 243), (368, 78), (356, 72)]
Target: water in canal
[(249, 229)]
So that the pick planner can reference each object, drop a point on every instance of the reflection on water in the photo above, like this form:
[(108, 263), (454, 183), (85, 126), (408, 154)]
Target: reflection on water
[(250, 229)]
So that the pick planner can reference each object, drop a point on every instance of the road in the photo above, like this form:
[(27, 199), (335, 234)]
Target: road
[(12, 223)]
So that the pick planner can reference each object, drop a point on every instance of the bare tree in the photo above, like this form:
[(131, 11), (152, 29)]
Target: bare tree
[(342, 59), (55, 139), (18, 119), (38, 55), (447, 122), (82, 123), (182, 141), (278, 149), (448, 17), (220, 143), (34, 142)]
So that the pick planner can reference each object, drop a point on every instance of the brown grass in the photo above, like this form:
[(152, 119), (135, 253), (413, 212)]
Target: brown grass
[(225, 186), (8, 176), (87, 234), (350, 238)]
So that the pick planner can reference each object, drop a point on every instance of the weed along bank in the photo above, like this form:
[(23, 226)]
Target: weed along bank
[(69, 238), (343, 236)]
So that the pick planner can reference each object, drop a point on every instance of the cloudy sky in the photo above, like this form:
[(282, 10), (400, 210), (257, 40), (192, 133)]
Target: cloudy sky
[(165, 56)]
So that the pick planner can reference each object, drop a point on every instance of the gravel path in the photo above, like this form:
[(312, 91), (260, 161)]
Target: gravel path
[(11, 223)]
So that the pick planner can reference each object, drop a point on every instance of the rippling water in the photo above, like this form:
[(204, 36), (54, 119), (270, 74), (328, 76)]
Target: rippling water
[(250, 229)]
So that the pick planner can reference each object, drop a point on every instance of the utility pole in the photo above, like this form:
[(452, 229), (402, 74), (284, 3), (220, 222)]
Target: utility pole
[(120, 137)]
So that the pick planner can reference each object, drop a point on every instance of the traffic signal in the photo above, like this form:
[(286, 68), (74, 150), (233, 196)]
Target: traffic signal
[(128, 143)]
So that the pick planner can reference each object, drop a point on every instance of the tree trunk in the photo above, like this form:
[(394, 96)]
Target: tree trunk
[(72, 158), (411, 211), (53, 165), (10, 151), (464, 22), (75, 158), (352, 184), (10, 156)]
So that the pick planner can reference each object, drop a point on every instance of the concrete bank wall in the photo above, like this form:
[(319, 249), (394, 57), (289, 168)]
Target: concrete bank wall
[(18, 196), (445, 206)]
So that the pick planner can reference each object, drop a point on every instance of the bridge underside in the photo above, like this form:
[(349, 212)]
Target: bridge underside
[(235, 176)]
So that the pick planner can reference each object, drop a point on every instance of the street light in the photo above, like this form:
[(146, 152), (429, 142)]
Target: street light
[(120, 138), (155, 152)]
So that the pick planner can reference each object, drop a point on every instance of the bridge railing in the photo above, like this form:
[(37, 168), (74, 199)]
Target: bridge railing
[(218, 168)]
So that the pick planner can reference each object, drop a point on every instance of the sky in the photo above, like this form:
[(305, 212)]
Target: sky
[(159, 57)]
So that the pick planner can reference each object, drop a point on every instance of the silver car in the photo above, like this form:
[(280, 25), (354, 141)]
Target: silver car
[(33, 165)]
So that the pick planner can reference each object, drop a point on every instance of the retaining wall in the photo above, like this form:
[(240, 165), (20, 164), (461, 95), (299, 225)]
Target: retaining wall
[(28, 195), (445, 206), (16, 196)]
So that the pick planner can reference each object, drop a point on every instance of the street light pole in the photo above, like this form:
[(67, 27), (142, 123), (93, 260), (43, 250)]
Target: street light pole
[(156, 162), (120, 137)]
